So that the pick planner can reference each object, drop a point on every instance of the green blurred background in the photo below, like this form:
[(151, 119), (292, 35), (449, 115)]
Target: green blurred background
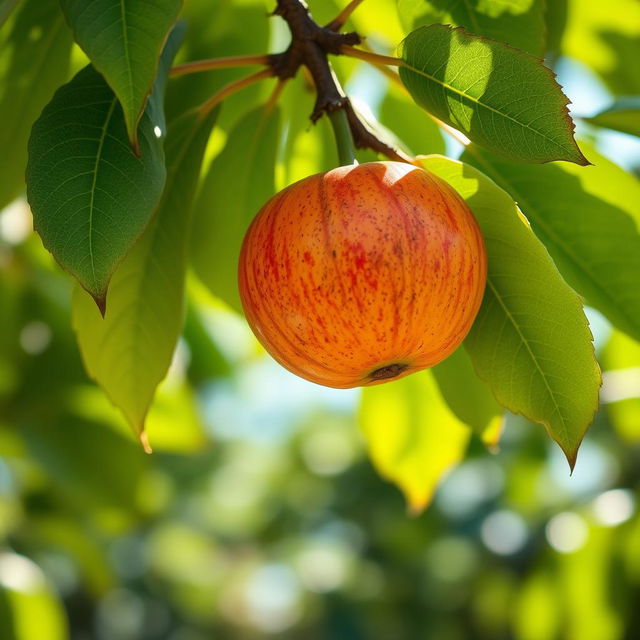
[(259, 514)]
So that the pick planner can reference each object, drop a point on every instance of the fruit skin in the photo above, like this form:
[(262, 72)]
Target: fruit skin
[(362, 274)]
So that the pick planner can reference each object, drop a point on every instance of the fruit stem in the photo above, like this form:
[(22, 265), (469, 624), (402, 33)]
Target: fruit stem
[(342, 133), (217, 63), (310, 46)]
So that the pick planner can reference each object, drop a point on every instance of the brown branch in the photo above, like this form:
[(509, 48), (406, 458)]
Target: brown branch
[(310, 46)]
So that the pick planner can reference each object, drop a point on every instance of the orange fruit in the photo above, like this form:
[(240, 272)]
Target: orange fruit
[(362, 274)]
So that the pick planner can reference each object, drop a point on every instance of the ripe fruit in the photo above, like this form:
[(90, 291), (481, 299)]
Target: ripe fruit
[(362, 274)]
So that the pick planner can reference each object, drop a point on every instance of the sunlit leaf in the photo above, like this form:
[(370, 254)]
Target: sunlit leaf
[(123, 39), (172, 424), (91, 196), (531, 340), (128, 353), (469, 397), (518, 22), (500, 97), (34, 59), (240, 180), (623, 115), (412, 435), (588, 219)]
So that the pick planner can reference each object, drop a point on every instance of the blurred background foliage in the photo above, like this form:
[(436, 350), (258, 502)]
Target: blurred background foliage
[(259, 514)]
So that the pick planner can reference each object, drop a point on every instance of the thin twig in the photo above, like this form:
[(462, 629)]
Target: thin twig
[(275, 95), (337, 23), (369, 56), (217, 63), (232, 88)]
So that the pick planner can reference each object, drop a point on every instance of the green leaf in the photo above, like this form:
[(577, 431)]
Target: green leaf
[(239, 181), (588, 219), (500, 97), (90, 195), (412, 435), (34, 61), (623, 115), (469, 397), (123, 39), (129, 352), (531, 340), (518, 22), (6, 7)]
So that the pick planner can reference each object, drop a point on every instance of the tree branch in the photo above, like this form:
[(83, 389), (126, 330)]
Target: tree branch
[(310, 47)]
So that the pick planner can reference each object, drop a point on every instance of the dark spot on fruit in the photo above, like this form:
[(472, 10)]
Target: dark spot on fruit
[(390, 371)]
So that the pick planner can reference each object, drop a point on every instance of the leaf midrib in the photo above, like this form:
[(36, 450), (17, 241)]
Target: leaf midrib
[(558, 240), (533, 358), (477, 101), (103, 135), (169, 184)]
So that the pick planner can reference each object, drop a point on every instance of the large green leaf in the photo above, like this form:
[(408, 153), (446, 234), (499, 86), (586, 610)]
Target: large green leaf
[(129, 351), (531, 340), (589, 220), (468, 396), (123, 39), (91, 196), (500, 97), (34, 61), (518, 22), (412, 435), (623, 115), (239, 181)]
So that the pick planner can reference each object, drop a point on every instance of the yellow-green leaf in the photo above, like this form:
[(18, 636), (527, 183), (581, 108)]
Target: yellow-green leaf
[(123, 39), (498, 96), (412, 435), (129, 351), (531, 340)]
